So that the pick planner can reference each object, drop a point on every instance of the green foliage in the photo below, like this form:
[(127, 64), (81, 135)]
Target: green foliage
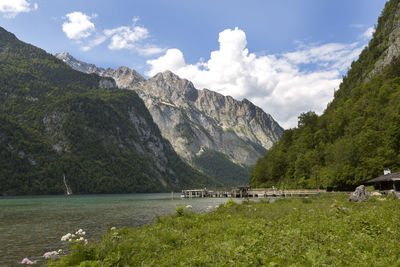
[(356, 137), (180, 211), (218, 165), (55, 121), (327, 231)]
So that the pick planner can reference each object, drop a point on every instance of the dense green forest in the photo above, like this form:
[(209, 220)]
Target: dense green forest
[(356, 137), (55, 121), (218, 165)]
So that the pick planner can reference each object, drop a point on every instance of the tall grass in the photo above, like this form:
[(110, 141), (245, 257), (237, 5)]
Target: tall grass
[(321, 231)]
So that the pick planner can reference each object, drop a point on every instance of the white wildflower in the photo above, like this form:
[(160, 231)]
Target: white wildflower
[(50, 254), (113, 228), (189, 206), (80, 232), (66, 237)]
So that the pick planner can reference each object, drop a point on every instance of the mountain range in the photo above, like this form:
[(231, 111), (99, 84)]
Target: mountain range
[(216, 134), (77, 129), (61, 128)]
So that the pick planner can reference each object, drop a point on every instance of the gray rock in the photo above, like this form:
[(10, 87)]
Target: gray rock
[(107, 83), (395, 193), (361, 194)]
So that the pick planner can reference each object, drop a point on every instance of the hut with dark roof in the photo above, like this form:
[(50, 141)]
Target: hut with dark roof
[(388, 181)]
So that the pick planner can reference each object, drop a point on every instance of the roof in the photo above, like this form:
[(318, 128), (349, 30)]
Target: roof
[(385, 178)]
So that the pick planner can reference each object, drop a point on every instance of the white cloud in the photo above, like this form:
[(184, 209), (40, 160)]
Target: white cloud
[(132, 37), (368, 33), (279, 84), (94, 42), (12, 8), (78, 25), (150, 50), (125, 37)]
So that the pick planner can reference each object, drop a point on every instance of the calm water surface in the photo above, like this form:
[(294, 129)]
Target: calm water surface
[(31, 226)]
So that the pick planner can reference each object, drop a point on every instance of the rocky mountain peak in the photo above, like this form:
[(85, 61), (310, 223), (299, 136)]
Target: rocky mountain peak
[(170, 86), (64, 56), (203, 126), (123, 76)]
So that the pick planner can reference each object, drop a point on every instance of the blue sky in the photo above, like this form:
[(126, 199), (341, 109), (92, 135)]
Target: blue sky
[(286, 56)]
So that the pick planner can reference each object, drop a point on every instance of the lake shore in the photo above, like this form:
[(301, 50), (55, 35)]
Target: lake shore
[(325, 230), (30, 226)]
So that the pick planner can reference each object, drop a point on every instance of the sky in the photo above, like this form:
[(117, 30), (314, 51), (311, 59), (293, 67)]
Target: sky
[(286, 56)]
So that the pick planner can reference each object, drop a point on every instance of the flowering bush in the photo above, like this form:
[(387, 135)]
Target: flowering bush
[(27, 261), (50, 254), (77, 237)]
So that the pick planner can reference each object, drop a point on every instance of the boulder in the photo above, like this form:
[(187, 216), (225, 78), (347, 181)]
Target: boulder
[(396, 194), (361, 194)]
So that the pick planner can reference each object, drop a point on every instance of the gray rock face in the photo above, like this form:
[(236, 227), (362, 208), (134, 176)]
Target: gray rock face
[(393, 48), (195, 120), (107, 83), (123, 76), (361, 194)]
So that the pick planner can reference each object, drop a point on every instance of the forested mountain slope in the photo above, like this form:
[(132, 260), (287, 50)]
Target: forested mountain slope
[(56, 121), (358, 135)]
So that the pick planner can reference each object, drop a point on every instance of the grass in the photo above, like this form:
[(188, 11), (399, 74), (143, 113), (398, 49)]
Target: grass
[(322, 231)]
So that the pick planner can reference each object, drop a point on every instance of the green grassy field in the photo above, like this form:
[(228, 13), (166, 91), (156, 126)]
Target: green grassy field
[(323, 231)]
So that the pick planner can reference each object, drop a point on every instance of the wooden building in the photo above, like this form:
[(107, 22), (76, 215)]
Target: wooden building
[(386, 182)]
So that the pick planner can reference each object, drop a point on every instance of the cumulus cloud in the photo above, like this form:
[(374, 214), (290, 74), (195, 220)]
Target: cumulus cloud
[(132, 37), (78, 25), (368, 33), (11, 8), (125, 37), (280, 84)]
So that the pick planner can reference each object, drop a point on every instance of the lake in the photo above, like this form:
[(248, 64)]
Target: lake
[(31, 226)]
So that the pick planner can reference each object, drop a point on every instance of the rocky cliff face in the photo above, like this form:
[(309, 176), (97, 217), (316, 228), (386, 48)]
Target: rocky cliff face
[(123, 76), (195, 121), (391, 48)]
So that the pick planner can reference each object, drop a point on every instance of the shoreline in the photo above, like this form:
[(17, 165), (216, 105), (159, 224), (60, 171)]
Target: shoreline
[(319, 230)]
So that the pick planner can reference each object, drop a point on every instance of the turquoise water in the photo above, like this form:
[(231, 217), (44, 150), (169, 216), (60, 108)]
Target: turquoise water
[(31, 226)]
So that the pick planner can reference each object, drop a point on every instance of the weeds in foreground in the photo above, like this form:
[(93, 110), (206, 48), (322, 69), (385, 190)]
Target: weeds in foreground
[(321, 231)]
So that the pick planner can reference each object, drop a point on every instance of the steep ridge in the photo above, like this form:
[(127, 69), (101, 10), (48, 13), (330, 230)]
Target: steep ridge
[(198, 121), (358, 135), (56, 121)]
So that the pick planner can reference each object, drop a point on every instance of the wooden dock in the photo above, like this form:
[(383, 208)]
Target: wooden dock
[(242, 192)]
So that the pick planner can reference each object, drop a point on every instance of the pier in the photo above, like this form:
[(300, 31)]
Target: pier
[(246, 191)]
